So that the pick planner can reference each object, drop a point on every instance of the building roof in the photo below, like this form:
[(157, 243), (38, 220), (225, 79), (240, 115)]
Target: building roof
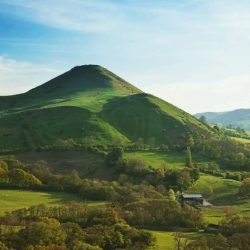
[(188, 196)]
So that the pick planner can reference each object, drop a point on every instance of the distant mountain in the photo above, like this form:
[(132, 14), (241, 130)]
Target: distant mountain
[(236, 118), (90, 104)]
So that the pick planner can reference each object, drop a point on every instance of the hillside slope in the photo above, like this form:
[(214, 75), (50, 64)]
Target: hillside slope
[(88, 86), (90, 104), (148, 118), (236, 118)]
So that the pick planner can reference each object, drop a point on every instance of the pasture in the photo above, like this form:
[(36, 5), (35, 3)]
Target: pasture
[(11, 200), (168, 159)]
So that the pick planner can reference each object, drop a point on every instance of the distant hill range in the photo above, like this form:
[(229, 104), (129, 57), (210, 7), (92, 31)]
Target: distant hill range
[(90, 104), (236, 118)]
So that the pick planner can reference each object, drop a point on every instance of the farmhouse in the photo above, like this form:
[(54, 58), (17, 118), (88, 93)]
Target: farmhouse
[(194, 200)]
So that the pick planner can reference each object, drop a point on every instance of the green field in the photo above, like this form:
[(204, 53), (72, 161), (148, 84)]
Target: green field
[(218, 190), (165, 240), (15, 199), (223, 194), (243, 140), (157, 159)]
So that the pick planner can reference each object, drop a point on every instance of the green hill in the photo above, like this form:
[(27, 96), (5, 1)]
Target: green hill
[(90, 103), (236, 118), (150, 118)]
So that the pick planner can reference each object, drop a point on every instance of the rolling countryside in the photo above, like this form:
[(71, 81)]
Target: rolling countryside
[(89, 140)]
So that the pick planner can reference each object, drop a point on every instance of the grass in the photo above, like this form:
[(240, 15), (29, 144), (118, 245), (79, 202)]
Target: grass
[(11, 200), (223, 194), (150, 119), (165, 240), (216, 213), (242, 140), (157, 159), (218, 190)]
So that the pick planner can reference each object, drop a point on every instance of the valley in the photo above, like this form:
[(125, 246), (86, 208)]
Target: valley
[(88, 152)]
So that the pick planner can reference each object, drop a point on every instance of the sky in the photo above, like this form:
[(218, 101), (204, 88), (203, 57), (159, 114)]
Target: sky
[(192, 53)]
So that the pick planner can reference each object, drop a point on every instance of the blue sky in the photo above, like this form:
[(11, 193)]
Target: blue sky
[(193, 53)]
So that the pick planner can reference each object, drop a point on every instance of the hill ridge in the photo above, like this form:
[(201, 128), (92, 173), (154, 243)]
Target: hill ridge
[(90, 103), (236, 118)]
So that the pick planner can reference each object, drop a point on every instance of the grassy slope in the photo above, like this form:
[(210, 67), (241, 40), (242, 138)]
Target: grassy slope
[(171, 159), (77, 86), (165, 240), (90, 102), (221, 188), (150, 118), (15, 199), (45, 126), (242, 140), (224, 196), (65, 107)]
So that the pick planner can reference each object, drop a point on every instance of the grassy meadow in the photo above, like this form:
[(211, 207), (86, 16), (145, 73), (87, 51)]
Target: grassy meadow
[(223, 194), (157, 159), (217, 189), (11, 200), (166, 241), (243, 140)]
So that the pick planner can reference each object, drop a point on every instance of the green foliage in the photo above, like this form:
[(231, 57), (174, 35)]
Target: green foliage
[(45, 231), (73, 227), (233, 234), (189, 161), (230, 153), (20, 178), (245, 187), (234, 223), (114, 158), (162, 214), (203, 119)]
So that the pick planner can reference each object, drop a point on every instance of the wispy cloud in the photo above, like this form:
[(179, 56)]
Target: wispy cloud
[(75, 15), (227, 94), (18, 76), (193, 53)]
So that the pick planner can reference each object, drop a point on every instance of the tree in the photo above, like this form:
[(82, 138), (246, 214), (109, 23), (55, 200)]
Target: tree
[(203, 119), (74, 234), (3, 170), (190, 141), (171, 194), (114, 157), (189, 161), (179, 241), (21, 178), (3, 246), (43, 232)]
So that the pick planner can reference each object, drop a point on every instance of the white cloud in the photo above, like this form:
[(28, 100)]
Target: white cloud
[(195, 97), (76, 15), (192, 53), (18, 76)]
